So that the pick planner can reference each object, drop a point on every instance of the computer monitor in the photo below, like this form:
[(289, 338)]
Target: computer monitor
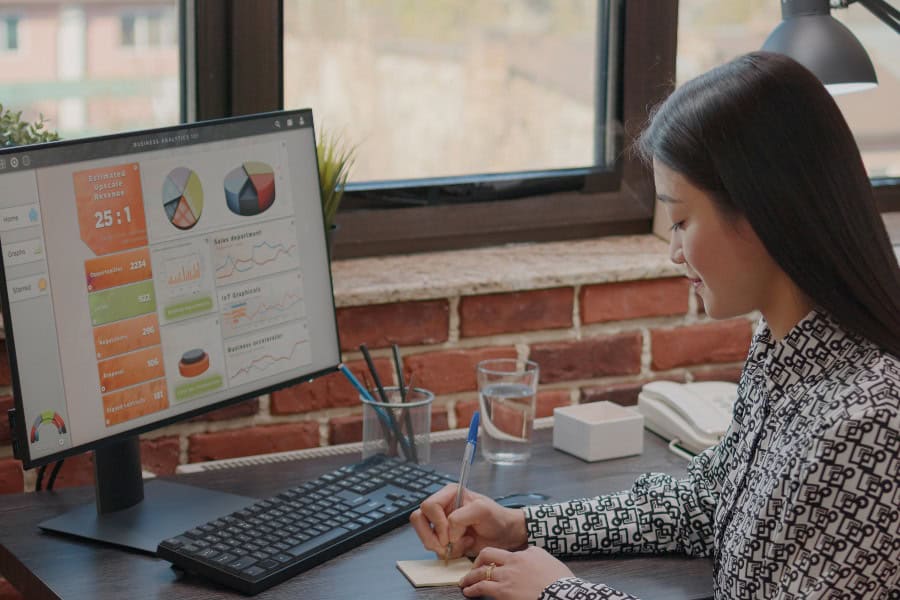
[(152, 276)]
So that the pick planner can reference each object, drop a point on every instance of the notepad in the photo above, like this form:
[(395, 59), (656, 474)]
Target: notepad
[(433, 573)]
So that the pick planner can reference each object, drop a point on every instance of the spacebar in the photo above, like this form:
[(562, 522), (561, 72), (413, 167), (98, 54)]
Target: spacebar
[(317, 541)]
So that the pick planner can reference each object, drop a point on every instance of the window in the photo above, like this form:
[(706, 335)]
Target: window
[(9, 33), (453, 88), (151, 28), (77, 74), (542, 155), (711, 32)]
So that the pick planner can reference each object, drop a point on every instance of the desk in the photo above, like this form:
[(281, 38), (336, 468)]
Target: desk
[(51, 566)]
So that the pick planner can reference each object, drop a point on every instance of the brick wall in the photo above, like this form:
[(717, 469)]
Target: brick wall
[(593, 342)]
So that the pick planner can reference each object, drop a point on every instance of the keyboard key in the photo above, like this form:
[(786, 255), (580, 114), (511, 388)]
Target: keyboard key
[(242, 563), (318, 541), (253, 571)]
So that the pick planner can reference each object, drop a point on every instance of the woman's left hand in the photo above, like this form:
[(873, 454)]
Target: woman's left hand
[(503, 575)]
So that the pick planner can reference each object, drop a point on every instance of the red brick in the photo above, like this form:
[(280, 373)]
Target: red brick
[(76, 470), (5, 377), (463, 411), (587, 359), (519, 311), (6, 403), (547, 401), (331, 390), (449, 371), (8, 592), (344, 430), (245, 408), (634, 299), (252, 440), (624, 393), (160, 455), (439, 419), (721, 342), (12, 479), (404, 323), (724, 373)]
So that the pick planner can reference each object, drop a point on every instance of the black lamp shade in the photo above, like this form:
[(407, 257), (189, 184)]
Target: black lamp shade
[(827, 48)]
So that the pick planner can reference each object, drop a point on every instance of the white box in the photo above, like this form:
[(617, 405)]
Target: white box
[(598, 430)]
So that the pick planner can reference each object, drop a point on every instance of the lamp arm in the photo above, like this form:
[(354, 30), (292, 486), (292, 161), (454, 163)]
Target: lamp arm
[(881, 9)]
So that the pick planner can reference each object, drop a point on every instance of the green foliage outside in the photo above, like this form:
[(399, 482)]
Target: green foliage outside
[(16, 132), (335, 160)]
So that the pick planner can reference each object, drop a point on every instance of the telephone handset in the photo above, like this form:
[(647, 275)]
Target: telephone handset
[(691, 415)]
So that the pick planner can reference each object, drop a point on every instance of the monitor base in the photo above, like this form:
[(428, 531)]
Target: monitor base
[(167, 510)]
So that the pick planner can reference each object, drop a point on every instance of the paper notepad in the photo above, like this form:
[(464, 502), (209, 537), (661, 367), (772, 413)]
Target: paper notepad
[(433, 573)]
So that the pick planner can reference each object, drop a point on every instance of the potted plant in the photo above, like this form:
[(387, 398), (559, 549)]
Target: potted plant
[(16, 132), (335, 160)]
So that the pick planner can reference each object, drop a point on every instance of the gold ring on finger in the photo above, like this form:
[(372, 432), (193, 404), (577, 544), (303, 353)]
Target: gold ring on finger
[(489, 572)]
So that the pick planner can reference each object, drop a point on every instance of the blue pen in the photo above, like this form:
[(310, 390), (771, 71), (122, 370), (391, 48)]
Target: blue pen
[(352, 378), (468, 459)]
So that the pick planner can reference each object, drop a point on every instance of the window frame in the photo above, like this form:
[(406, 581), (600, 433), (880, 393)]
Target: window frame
[(6, 19), (234, 44)]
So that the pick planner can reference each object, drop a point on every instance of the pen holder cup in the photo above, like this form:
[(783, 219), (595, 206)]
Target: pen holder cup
[(397, 428)]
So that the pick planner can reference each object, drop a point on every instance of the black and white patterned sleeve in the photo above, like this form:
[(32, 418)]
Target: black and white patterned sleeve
[(573, 588), (659, 514), (839, 531)]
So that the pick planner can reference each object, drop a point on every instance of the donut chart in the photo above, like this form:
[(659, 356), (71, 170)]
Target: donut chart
[(250, 189), (183, 198)]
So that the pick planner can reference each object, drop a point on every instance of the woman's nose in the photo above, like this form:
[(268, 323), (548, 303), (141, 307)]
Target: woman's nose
[(676, 253)]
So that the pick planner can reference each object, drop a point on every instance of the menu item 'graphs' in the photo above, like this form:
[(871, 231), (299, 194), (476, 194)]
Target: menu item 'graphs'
[(250, 189), (182, 198)]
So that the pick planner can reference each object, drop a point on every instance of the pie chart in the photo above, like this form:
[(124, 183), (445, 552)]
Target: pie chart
[(250, 189), (183, 198)]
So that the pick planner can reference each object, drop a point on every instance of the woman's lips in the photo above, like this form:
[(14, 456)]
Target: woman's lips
[(695, 282)]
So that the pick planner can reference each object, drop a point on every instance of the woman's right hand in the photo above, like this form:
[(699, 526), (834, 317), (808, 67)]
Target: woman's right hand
[(479, 522)]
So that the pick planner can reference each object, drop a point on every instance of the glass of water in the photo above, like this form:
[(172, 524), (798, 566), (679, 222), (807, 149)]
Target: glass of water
[(506, 396)]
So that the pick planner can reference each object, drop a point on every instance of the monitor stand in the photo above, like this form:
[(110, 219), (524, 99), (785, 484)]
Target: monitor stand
[(129, 514)]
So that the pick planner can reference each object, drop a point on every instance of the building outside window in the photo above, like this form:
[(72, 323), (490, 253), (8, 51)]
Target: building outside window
[(77, 73), (149, 28), (9, 33)]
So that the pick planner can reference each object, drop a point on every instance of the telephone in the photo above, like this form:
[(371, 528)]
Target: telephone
[(693, 416)]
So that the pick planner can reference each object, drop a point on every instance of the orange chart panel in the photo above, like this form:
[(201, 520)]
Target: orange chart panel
[(124, 336), (144, 399), (111, 208), (117, 269), (129, 369)]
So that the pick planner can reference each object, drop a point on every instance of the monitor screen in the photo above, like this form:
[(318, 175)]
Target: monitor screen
[(154, 275)]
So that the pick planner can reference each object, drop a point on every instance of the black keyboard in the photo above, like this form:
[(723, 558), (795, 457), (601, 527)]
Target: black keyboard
[(274, 539)]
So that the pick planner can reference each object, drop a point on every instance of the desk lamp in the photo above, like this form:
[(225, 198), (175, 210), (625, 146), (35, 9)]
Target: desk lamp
[(811, 36)]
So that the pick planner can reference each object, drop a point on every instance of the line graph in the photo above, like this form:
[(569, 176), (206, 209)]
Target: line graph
[(267, 352), (256, 251)]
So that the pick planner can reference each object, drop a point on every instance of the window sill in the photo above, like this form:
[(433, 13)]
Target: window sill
[(511, 268)]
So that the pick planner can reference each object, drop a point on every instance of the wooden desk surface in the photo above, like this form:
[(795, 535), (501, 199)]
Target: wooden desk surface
[(52, 566)]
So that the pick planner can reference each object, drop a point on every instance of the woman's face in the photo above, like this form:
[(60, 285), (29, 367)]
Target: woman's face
[(723, 258)]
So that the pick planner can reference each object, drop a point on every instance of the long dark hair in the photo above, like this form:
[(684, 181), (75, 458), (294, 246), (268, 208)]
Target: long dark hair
[(764, 137)]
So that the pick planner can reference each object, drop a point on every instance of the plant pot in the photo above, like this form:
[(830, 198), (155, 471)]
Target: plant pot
[(330, 234)]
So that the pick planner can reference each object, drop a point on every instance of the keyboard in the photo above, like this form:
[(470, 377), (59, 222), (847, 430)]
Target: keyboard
[(274, 539)]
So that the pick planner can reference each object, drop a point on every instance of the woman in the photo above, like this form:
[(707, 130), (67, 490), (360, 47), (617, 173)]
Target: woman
[(772, 210)]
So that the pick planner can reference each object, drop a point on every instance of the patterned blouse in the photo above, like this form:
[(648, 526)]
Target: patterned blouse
[(800, 499)]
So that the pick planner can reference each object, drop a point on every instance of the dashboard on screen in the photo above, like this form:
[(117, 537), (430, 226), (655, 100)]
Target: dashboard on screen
[(151, 276)]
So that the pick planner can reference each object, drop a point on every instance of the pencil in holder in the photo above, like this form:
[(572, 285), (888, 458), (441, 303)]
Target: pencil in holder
[(397, 428)]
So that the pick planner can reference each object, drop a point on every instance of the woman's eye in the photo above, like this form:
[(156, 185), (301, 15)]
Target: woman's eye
[(676, 226)]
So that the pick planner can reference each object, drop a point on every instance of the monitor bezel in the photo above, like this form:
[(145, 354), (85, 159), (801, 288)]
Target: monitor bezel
[(19, 429)]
